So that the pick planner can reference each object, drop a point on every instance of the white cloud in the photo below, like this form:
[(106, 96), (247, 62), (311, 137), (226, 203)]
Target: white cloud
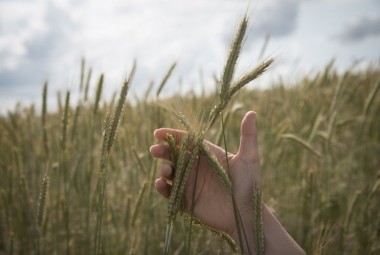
[(19, 25), (11, 50)]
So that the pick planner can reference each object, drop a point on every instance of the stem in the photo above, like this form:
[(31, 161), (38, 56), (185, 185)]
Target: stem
[(193, 205), (237, 216)]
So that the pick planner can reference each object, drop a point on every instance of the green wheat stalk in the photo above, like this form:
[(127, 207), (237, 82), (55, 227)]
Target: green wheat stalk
[(109, 136), (75, 122), (227, 89), (193, 155), (119, 108), (233, 56), (165, 79), (302, 142), (82, 69), (98, 94), (173, 199), (197, 222), (87, 84), (42, 200), (138, 202), (43, 120), (173, 148), (217, 167), (258, 219), (64, 122)]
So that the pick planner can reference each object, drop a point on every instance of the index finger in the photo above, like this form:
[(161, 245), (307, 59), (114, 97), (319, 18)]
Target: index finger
[(178, 135), (161, 133)]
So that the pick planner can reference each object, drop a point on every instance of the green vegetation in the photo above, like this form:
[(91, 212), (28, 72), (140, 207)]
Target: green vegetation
[(80, 180)]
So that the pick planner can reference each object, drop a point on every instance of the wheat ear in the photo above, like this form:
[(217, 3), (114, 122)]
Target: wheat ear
[(165, 79), (217, 167), (258, 219), (178, 175), (233, 56), (42, 200), (98, 93), (227, 238), (194, 154), (172, 207)]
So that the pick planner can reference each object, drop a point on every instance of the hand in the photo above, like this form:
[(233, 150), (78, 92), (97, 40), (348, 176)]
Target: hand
[(213, 202)]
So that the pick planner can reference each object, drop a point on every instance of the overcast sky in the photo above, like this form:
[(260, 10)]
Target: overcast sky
[(45, 40)]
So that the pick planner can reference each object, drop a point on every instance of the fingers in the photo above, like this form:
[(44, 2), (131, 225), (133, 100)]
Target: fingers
[(160, 134), (160, 151), (163, 183), (248, 150), (164, 153), (166, 171), (163, 187)]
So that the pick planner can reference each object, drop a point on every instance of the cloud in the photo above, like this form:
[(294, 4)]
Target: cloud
[(29, 52), (41, 43), (360, 29), (276, 17), (46, 41), (19, 24)]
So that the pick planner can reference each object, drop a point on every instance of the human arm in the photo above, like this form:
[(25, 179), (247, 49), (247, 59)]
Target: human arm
[(214, 205)]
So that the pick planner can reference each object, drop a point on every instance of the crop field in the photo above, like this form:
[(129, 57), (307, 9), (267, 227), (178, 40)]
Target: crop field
[(81, 181)]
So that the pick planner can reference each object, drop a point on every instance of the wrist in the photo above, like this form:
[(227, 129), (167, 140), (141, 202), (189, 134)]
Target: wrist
[(276, 238), (246, 237)]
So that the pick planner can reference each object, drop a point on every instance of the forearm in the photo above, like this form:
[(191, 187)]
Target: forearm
[(276, 238)]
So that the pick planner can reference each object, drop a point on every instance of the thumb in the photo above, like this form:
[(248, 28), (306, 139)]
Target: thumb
[(248, 149)]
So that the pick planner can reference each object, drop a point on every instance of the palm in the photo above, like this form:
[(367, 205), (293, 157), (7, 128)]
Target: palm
[(209, 208)]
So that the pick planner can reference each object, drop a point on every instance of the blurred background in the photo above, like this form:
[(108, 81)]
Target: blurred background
[(45, 40)]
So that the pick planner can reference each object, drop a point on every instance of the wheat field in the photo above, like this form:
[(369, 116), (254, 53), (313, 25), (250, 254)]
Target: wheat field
[(80, 180)]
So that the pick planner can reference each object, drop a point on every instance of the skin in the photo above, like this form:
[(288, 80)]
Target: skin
[(213, 203)]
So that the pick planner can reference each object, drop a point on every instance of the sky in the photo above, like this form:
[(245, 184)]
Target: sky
[(46, 39)]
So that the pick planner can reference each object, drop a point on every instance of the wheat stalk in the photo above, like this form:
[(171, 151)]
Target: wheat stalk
[(44, 104), (250, 76), (165, 79), (75, 122), (226, 92), (65, 121), (233, 56), (42, 200), (138, 202), (98, 94), (43, 120), (217, 167), (109, 136), (227, 87), (194, 154), (180, 167), (119, 108), (302, 142), (197, 222), (258, 219), (173, 148), (82, 68), (87, 84)]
